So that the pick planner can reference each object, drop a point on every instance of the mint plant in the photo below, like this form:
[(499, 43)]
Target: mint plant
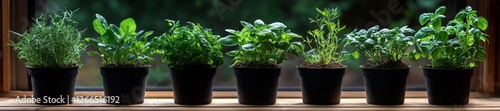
[(52, 41), (260, 44), (456, 45), (189, 46), (327, 42), (384, 47), (121, 46)]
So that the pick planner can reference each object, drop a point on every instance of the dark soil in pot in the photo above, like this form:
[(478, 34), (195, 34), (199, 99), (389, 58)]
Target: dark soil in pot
[(321, 86), (385, 86), (58, 84), (193, 86), (448, 86), (257, 86), (126, 85)]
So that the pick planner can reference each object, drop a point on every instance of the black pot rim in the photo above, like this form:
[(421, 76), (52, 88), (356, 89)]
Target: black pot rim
[(423, 67), (257, 67), (195, 68), (321, 67), (52, 67), (361, 66), (131, 67)]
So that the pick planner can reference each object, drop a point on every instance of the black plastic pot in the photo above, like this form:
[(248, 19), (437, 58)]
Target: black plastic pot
[(58, 84), (128, 84), (193, 86), (257, 86), (448, 86), (385, 86), (321, 86)]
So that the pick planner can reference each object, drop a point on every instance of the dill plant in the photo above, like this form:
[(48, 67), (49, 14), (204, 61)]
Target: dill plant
[(326, 53)]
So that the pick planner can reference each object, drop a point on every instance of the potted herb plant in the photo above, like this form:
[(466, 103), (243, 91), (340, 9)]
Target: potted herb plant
[(453, 51), (385, 73), (51, 49), (322, 72), (193, 54), (261, 48), (126, 55)]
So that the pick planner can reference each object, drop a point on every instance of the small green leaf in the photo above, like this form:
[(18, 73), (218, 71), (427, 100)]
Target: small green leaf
[(259, 22), (470, 41), (248, 47), (468, 8), (98, 27), (369, 41), (264, 32), (460, 15), (355, 54), (282, 45), (437, 23), (450, 30), (419, 34), (294, 35), (232, 53), (230, 40), (101, 19), (92, 41), (127, 26), (247, 25), (442, 36), (277, 26), (482, 23), (232, 31), (424, 18), (440, 10)]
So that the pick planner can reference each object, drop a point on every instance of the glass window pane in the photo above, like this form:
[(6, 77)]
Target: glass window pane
[(226, 14)]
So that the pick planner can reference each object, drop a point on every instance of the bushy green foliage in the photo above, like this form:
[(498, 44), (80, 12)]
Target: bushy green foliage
[(381, 45), (121, 46), (189, 46), (261, 43), (52, 41), (456, 45), (325, 38)]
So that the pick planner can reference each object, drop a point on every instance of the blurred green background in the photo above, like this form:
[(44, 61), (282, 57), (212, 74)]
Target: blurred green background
[(226, 14)]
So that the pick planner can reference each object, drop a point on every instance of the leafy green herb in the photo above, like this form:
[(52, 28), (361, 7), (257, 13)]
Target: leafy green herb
[(325, 38), (381, 46), (189, 46), (462, 49), (261, 43), (52, 41), (121, 46)]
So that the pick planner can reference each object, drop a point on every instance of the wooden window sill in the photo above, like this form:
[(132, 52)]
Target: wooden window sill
[(281, 104), (226, 100)]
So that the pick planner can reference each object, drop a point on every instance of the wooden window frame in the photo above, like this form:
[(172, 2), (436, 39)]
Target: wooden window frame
[(488, 74)]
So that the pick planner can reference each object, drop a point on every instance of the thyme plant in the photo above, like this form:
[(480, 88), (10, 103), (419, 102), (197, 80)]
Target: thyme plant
[(52, 41)]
